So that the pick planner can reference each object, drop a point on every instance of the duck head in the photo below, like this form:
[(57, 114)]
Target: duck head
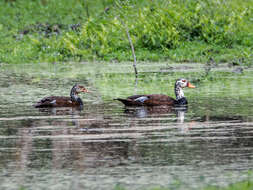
[(182, 83), (179, 85), (76, 89)]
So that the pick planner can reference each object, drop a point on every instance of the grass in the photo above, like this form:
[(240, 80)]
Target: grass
[(245, 185), (75, 30)]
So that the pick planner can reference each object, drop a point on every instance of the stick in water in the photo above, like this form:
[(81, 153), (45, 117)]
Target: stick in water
[(132, 48)]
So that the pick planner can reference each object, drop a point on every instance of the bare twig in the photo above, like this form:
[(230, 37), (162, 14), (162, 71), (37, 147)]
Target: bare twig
[(130, 41), (133, 52), (132, 47)]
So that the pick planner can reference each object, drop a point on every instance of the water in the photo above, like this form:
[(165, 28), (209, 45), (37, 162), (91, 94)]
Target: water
[(106, 146)]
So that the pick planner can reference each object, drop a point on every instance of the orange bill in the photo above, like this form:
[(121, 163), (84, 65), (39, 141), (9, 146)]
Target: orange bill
[(190, 85), (84, 90)]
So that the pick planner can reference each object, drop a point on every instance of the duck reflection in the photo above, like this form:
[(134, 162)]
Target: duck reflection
[(144, 111), (62, 110), (98, 139), (81, 139), (70, 142), (180, 113), (171, 115)]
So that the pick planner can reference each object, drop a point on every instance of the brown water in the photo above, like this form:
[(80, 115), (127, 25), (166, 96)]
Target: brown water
[(107, 146)]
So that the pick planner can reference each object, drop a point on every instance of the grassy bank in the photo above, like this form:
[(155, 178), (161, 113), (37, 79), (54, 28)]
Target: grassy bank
[(72, 30), (245, 185)]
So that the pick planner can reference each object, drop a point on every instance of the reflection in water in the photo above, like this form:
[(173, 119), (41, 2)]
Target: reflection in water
[(107, 142), (62, 110), (103, 145), (145, 111), (174, 113), (180, 114)]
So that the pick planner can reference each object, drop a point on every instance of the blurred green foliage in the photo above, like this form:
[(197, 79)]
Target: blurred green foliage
[(77, 30), (245, 185)]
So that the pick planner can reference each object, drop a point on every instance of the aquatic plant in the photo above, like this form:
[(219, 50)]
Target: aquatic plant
[(49, 31)]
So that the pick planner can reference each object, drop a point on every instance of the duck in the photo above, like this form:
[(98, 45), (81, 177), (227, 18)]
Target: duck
[(160, 99), (62, 101)]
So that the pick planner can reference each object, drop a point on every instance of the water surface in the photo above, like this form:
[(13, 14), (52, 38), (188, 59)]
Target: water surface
[(105, 145)]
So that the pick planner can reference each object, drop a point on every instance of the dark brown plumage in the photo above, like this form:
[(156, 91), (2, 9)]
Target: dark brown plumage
[(152, 100), (62, 101), (159, 99)]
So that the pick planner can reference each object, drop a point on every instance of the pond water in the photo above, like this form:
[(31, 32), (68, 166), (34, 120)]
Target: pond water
[(108, 146)]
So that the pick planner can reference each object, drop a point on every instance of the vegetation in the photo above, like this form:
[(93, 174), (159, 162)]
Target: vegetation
[(245, 185), (75, 30)]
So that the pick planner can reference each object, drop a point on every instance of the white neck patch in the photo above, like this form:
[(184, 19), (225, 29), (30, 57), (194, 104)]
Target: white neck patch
[(179, 93)]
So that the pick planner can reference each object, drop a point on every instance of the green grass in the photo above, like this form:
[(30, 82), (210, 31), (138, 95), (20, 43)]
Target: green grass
[(76, 30), (245, 185)]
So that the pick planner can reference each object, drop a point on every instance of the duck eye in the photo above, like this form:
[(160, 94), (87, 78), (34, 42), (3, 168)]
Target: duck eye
[(183, 80)]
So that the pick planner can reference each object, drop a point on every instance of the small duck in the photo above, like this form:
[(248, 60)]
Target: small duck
[(62, 101), (160, 99)]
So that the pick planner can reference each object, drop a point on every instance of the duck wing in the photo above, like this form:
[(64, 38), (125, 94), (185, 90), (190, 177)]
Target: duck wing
[(54, 101), (148, 100)]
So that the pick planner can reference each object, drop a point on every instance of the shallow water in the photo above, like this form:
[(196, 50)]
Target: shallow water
[(105, 146)]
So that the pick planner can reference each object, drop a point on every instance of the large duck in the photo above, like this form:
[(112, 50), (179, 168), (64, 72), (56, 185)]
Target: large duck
[(62, 101), (159, 99)]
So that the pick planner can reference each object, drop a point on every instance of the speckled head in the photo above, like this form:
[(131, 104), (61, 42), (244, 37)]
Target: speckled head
[(179, 85), (76, 89), (183, 83)]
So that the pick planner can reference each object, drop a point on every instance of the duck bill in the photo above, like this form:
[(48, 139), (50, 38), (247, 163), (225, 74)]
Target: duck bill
[(189, 85), (85, 91)]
